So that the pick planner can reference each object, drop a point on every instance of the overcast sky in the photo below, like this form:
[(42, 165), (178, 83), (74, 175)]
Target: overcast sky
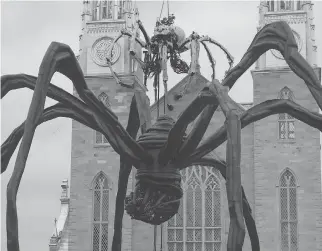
[(27, 29)]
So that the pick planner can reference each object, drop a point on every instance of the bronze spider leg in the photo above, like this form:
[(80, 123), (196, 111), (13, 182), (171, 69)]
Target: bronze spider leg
[(203, 104), (60, 58), (278, 36), (211, 59), (233, 157), (229, 56), (124, 173), (258, 112), (145, 34), (133, 38)]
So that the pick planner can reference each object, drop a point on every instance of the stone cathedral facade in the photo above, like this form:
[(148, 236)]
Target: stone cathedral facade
[(281, 161)]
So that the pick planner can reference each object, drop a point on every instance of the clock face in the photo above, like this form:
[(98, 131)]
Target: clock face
[(101, 51), (298, 40)]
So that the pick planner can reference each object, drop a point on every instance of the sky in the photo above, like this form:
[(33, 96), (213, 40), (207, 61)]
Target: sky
[(28, 28)]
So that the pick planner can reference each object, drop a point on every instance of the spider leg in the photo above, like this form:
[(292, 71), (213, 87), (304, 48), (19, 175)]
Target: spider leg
[(52, 112), (11, 82), (176, 134), (17, 81), (145, 34), (247, 211), (133, 38), (278, 36), (194, 49), (258, 112), (211, 59), (233, 157), (138, 60), (183, 46), (197, 133), (229, 56), (124, 173)]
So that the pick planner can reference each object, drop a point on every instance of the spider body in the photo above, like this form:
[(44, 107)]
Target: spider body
[(158, 191)]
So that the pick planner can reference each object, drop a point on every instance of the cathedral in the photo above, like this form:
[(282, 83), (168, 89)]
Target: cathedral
[(280, 160)]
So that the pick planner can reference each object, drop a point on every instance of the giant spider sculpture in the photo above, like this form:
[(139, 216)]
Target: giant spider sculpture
[(167, 42), (164, 149)]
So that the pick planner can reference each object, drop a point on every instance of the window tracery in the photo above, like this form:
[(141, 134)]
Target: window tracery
[(288, 211), (286, 122), (197, 226), (100, 213), (100, 139)]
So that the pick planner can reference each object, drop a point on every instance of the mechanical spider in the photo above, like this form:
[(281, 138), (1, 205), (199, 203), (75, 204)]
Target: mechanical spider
[(162, 150), (168, 42)]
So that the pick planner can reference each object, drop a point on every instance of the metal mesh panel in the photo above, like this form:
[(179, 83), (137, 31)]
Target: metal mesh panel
[(104, 236), (100, 213), (292, 206), (291, 130), (284, 237), (198, 207), (100, 138), (105, 205), (282, 130), (288, 209), (282, 116), (286, 121), (96, 237), (97, 205), (197, 225), (104, 98), (189, 212), (283, 202), (293, 236)]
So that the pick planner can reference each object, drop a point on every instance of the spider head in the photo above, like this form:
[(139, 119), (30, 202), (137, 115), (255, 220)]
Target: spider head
[(157, 193)]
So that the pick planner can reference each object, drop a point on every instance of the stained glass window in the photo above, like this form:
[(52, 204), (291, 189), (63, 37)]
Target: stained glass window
[(100, 139), (286, 122), (288, 211), (100, 213), (197, 225)]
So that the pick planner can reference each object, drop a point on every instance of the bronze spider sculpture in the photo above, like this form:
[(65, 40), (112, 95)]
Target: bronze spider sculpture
[(168, 42), (162, 150)]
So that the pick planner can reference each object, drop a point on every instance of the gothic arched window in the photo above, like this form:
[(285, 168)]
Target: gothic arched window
[(110, 9), (286, 122), (288, 211), (197, 226), (282, 5), (289, 5), (299, 5), (104, 10), (99, 137), (270, 5), (120, 9), (100, 213)]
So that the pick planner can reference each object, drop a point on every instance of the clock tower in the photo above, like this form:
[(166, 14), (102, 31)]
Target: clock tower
[(287, 213), (94, 163), (299, 15)]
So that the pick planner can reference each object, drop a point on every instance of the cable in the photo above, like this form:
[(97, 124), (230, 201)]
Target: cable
[(168, 8), (161, 10), (155, 237), (161, 236)]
